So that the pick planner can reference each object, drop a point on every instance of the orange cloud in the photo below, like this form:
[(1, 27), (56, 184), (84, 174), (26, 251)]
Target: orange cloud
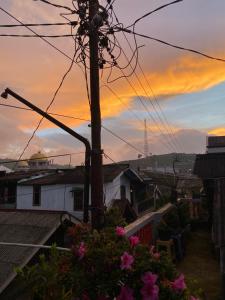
[(217, 131)]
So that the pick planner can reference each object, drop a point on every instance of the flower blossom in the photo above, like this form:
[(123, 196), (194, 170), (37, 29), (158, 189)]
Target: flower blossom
[(178, 284), (154, 254), (81, 250), (120, 231), (149, 278), (134, 240), (126, 261), (150, 290), (126, 293), (193, 298)]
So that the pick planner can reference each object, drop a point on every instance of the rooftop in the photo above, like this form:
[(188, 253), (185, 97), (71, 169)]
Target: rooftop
[(27, 227), (110, 172)]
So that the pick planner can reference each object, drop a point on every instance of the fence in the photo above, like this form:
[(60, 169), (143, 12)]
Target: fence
[(144, 227)]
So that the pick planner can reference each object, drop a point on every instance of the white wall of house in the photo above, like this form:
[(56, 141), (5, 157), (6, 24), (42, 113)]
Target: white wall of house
[(112, 189), (60, 198)]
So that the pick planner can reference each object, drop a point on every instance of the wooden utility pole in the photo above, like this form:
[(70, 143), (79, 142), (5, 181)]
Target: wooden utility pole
[(96, 154)]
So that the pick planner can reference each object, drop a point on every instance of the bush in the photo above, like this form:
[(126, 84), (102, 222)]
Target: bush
[(105, 265)]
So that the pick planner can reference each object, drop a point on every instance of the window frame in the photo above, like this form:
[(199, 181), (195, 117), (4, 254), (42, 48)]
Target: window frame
[(36, 193), (75, 206)]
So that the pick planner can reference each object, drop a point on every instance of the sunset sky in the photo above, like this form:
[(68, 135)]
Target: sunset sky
[(190, 89)]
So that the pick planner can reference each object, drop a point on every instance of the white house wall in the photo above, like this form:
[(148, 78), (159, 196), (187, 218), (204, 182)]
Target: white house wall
[(112, 189), (59, 197), (53, 197)]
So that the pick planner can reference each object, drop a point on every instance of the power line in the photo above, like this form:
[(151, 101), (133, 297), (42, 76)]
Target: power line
[(57, 5), (54, 114), (122, 139), (152, 102), (44, 39), (119, 98), (140, 83), (50, 104), (75, 118), (29, 159), (36, 36), (139, 98), (170, 44), (153, 11), (37, 24)]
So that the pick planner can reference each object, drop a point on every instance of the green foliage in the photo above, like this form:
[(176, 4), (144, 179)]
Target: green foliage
[(93, 269), (113, 218)]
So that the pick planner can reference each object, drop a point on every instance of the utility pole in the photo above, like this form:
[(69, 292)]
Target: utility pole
[(146, 140), (96, 153)]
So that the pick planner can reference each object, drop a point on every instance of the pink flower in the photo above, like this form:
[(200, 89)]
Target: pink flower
[(126, 293), (126, 261), (134, 240), (149, 278), (150, 290), (152, 249), (179, 284), (193, 298), (120, 231), (156, 255), (81, 250)]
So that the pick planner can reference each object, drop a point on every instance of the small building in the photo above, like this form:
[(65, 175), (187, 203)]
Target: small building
[(8, 185), (39, 161), (64, 190), (215, 144)]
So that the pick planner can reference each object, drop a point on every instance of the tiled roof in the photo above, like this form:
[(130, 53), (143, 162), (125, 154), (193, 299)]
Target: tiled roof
[(28, 227), (76, 175)]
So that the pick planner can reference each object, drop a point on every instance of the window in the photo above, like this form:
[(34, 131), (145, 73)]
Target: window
[(36, 195), (78, 199), (122, 192)]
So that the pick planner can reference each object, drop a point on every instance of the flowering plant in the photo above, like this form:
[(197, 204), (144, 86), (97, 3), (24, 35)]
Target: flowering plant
[(106, 265)]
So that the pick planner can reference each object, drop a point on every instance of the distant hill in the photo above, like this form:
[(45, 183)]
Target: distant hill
[(184, 162)]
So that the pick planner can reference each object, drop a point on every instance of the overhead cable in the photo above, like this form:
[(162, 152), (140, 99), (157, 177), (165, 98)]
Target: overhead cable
[(170, 44), (153, 11)]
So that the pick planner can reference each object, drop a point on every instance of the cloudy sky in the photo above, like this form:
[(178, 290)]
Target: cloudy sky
[(189, 88)]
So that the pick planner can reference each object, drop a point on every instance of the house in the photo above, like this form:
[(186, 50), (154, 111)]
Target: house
[(210, 167), (64, 189), (8, 185), (21, 229)]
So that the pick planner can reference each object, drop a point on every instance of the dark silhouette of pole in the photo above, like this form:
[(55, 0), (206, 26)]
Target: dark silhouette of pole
[(96, 153), (71, 132)]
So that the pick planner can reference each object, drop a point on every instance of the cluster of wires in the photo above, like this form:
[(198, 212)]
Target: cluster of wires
[(109, 50)]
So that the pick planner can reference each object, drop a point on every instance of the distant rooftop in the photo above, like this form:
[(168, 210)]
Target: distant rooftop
[(215, 144)]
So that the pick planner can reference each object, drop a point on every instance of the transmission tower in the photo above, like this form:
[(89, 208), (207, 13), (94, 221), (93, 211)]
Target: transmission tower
[(146, 139)]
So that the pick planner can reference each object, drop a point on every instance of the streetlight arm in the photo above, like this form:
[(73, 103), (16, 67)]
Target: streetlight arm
[(68, 130)]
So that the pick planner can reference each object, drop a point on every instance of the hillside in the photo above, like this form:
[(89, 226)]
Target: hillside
[(164, 162)]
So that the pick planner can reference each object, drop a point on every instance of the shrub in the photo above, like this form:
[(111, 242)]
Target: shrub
[(105, 265)]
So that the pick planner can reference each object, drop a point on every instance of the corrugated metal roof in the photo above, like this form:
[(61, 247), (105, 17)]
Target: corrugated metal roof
[(22, 227), (76, 175)]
